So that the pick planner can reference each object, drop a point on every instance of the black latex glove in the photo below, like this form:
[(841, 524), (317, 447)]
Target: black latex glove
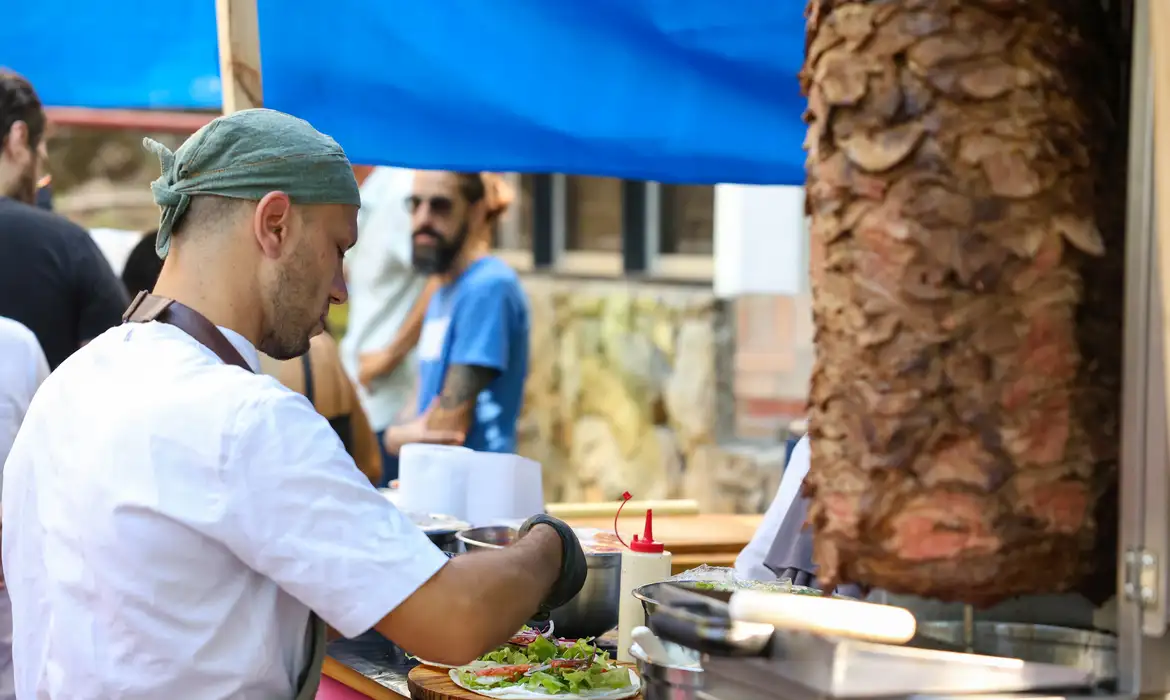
[(573, 566)]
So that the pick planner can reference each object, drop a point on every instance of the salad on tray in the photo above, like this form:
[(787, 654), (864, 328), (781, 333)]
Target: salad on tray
[(536, 664)]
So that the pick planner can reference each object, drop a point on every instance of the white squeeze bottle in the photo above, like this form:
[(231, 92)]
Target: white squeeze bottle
[(645, 561)]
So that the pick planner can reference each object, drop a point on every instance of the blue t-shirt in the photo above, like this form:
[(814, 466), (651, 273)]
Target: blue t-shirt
[(479, 319)]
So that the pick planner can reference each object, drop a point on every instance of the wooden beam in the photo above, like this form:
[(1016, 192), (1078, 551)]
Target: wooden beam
[(136, 119), (239, 54)]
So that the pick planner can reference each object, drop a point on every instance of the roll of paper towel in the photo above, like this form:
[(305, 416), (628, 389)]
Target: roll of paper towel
[(502, 487), (433, 479)]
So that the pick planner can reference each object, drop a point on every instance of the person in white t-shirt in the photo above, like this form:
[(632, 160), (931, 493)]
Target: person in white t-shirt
[(387, 302), (22, 369)]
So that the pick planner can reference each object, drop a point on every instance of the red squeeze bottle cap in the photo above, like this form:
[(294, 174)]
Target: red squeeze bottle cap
[(647, 545)]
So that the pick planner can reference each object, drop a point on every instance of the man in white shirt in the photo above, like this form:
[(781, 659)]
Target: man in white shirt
[(387, 300), (177, 524), (22, 369)]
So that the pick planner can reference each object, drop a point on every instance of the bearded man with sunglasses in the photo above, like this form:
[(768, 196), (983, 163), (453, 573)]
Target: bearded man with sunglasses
[(473, 351)]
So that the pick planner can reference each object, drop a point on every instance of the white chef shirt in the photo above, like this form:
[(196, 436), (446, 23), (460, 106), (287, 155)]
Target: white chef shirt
[(750, 562), (170, 520), (22, 369), (383, 287)]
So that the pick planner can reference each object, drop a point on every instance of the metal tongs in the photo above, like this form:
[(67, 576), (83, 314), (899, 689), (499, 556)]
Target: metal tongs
[(703, 622), (746, 624)]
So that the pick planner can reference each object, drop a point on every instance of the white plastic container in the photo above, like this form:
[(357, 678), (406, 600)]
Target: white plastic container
[(644, 561)]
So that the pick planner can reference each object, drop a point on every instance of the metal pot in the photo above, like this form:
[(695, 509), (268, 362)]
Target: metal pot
[(593, 611), (661, 681), (442, 530)]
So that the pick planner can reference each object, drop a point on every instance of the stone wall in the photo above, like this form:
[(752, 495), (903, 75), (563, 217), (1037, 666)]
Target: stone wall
[(101, 177), (627, 392)]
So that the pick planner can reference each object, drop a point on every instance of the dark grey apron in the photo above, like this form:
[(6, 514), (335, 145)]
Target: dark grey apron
[(146, 308)]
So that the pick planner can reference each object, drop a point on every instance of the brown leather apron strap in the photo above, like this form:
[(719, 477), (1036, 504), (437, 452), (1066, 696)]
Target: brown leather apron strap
[(148, 307)]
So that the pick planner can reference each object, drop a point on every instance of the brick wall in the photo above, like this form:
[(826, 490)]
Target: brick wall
[(771, 364)]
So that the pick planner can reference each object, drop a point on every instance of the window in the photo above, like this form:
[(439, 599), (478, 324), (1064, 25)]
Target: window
[(512, 235), (514, 229), (687, 220), (593, 221), (604, 227)]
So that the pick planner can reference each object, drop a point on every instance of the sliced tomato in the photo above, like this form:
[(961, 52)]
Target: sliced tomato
[(570, 663), (513, 671)]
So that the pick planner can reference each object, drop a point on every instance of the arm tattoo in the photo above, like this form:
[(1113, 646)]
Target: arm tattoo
[(463, 383)]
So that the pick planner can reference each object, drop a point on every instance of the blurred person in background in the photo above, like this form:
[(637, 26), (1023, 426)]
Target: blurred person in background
[(142, 267), (45, 193), (22, 369), (317, 375), (387, 301), (53, 278), (473, 352)]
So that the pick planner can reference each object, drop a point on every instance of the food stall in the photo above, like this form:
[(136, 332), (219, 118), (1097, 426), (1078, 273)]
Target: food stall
[(757, 663), (783, 665)]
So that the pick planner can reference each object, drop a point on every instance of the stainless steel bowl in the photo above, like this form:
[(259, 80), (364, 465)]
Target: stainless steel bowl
[(593, 611), (442, 530), (446, 540), (650, 597), (1094, 652)]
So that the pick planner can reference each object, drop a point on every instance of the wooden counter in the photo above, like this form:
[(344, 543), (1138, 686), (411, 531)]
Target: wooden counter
[(712, 539), (341, 682)]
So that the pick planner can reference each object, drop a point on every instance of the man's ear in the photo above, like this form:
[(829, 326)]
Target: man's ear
[(271, 223), (15, 142)]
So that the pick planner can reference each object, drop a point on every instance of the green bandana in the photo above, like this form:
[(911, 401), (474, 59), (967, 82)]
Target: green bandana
[(246, 155)]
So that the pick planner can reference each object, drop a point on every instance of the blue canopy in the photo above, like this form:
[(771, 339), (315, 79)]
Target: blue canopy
[(671, 90)]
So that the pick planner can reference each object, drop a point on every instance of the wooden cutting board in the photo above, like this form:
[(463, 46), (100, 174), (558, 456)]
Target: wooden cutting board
[(428, 683)]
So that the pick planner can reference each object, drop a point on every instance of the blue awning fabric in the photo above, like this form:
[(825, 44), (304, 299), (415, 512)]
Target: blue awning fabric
[(671, 90)]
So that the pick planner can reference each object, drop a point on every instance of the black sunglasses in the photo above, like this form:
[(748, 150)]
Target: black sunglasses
[(439, 205)]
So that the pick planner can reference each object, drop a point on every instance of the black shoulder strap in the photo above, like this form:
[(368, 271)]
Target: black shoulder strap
[(307, 369)]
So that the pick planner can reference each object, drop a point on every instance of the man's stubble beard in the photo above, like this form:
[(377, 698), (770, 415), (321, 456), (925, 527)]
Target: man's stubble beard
[(292, 326)]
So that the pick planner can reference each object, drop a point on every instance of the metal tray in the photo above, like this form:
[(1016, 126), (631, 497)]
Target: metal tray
[(803, 665), (1093, 652)]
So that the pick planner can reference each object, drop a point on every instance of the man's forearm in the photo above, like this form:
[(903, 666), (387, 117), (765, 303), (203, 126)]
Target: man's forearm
[(398, 351), (477, 601), (454, 408), (511, 586)]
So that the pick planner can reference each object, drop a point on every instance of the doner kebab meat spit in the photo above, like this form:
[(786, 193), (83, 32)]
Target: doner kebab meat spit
[(966, 194)]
